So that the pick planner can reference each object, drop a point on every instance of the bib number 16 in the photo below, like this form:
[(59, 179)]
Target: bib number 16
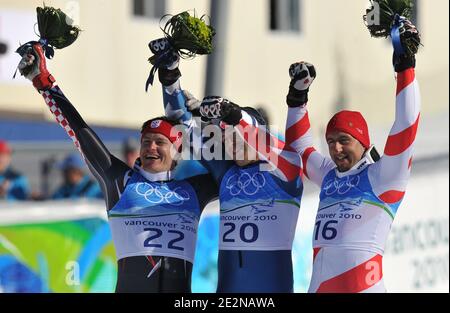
[(328, 230)]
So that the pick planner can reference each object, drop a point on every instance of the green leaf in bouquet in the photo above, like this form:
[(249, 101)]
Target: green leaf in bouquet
[(56, 27), (385, 11), (387, 17), (189, 35)]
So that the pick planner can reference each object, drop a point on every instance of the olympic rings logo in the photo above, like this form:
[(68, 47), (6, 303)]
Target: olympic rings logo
[(341, 187), (246, 183), (156, 195)]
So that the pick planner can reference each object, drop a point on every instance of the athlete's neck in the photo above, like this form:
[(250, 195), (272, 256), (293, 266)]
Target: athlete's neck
[(360, 165), (160, 176)]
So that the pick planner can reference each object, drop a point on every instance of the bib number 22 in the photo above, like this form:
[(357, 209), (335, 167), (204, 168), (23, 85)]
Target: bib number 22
[(157, 233)]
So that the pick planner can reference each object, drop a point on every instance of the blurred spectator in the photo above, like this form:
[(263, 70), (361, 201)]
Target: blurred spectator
[(130, 150), (76, 183), (13, 185)]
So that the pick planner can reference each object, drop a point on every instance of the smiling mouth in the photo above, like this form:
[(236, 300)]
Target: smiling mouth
[(152, 157), (341, 158)]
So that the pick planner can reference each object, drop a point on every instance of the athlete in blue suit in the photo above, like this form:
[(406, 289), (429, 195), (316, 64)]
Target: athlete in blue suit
[(258, 206)]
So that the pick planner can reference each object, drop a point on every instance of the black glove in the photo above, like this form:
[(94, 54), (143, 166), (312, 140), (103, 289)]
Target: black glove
[(410, 41), (165, 60), (302, 75), (215, 107), (168, 77), (403, 62)]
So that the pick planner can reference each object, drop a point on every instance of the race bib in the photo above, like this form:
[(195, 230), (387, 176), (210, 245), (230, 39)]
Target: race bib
[(171, 234), (255, 214), (155, 218)]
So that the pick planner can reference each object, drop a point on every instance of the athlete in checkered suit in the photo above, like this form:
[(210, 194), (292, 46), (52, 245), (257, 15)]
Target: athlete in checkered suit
[(153, 217)]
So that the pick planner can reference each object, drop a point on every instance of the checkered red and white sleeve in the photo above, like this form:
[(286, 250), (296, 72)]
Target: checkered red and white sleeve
[(58, 114)]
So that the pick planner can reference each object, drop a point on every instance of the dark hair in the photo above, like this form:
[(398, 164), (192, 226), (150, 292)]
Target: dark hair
[(255, 114), (264, 114), (164, 118)]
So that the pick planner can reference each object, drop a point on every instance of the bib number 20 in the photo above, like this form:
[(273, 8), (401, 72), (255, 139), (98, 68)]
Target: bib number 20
[(248, 232)]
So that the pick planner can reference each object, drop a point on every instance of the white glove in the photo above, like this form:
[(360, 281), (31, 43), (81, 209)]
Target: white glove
[(192, 103), (27, 67), (302, 75), (33, 66)]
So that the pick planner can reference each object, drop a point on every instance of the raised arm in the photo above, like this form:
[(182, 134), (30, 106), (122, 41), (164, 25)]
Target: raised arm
[(176, 101), (182, 106), (178, 105), (108, 170), (298, 132), (390, 174)]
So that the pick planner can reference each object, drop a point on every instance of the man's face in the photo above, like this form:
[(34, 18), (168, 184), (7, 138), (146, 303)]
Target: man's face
[(5, 160), (236, 147), (155, 153), (344, 150)]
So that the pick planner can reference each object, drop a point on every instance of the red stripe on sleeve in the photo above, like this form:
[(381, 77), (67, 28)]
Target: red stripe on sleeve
[(392, 196), (410, 163), (398, 143), (305, 157), (298, 129), (291, 171), (276, 143), (404, 79)]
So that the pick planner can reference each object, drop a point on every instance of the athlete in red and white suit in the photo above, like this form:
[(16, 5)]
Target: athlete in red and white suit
[(360, 192)]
